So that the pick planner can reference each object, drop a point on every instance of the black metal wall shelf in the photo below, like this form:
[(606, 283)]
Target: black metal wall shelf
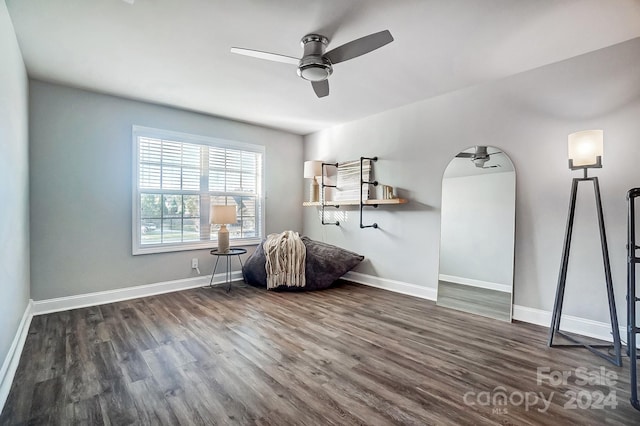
[(632, 300), (366, 182), (323, 197), (361, 202)]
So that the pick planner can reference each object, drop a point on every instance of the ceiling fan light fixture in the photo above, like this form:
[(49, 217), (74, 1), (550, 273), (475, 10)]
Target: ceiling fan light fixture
[(315, 72), (314, 68), (479, 162)]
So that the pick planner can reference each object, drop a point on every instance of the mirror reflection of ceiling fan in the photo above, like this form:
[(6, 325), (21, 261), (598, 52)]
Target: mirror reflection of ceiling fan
[(479, 157), (316, 65)]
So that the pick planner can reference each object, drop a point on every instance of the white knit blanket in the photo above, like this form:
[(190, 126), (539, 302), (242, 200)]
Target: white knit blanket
[(286, 256)]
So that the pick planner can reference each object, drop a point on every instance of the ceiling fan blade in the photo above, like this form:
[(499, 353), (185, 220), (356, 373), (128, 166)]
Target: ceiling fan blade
[(359, 47), (321, 88), (265, 55), (466, 155)]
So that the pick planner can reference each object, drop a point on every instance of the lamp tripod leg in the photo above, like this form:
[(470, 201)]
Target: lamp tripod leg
[(562, 277), (607, 273)]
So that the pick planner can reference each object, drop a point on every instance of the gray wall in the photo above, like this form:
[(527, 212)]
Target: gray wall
[(14, 185), (80, 161), (528, 116), (477, 227)]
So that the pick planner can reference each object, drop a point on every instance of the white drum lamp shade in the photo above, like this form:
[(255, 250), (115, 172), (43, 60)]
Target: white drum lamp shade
[(223, 215), (585, 147), (312, 169)]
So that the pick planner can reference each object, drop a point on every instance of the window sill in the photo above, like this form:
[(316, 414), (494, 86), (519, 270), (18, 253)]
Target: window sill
[(208, 245)]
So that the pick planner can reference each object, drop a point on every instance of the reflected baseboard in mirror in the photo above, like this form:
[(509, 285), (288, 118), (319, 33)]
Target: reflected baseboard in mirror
[(477, 233), (476, 300)]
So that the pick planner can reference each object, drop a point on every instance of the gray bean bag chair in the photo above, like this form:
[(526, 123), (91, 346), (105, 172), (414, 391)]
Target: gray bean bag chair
[(323, 266)]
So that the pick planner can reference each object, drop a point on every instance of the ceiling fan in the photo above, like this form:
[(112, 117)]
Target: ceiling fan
[(479, 157), (316, 65)]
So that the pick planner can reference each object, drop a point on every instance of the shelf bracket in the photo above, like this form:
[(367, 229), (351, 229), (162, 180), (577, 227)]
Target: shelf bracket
[(363, 182), (322, 194)]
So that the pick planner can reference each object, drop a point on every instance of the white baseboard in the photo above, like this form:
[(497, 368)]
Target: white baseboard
[(581, 326), (11, 361), (476, 283), (102, 297), (422, 292)]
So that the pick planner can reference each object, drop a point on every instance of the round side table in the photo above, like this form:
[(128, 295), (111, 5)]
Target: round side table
[(227, 255)]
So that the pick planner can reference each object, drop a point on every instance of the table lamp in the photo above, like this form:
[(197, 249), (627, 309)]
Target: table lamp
[(313, 169), (223, 215)]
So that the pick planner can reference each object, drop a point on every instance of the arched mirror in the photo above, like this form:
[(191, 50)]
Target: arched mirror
[(477, 233)]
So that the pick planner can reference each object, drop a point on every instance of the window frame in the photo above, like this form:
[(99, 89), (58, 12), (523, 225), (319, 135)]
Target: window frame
[(136, 233)]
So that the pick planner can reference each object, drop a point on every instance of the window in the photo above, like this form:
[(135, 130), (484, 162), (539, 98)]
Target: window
[(178, 177)]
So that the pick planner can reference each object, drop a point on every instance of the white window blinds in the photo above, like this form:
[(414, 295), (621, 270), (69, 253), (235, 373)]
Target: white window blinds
[(177, 180)]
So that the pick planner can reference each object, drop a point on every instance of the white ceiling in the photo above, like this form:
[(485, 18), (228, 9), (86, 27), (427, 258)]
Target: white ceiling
[(177, 52)]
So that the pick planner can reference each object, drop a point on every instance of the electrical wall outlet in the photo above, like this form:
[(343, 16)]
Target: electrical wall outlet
[(194, 263)]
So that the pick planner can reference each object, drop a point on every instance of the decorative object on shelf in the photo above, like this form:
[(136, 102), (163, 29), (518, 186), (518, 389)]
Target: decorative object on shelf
[(365, 184), (313, 169), (223, 216), (323, 195), (387, 192), (633, 259), (585, 152), (348, 181)]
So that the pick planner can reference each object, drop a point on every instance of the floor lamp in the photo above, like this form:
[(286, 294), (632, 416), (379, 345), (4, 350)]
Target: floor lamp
[(585, 152)]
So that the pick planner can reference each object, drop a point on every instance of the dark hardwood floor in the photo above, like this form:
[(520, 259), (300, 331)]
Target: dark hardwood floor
[(348, 355)]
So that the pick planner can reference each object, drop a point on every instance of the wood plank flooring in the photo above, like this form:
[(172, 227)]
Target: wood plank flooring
[(351, 355), (475, 300)]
